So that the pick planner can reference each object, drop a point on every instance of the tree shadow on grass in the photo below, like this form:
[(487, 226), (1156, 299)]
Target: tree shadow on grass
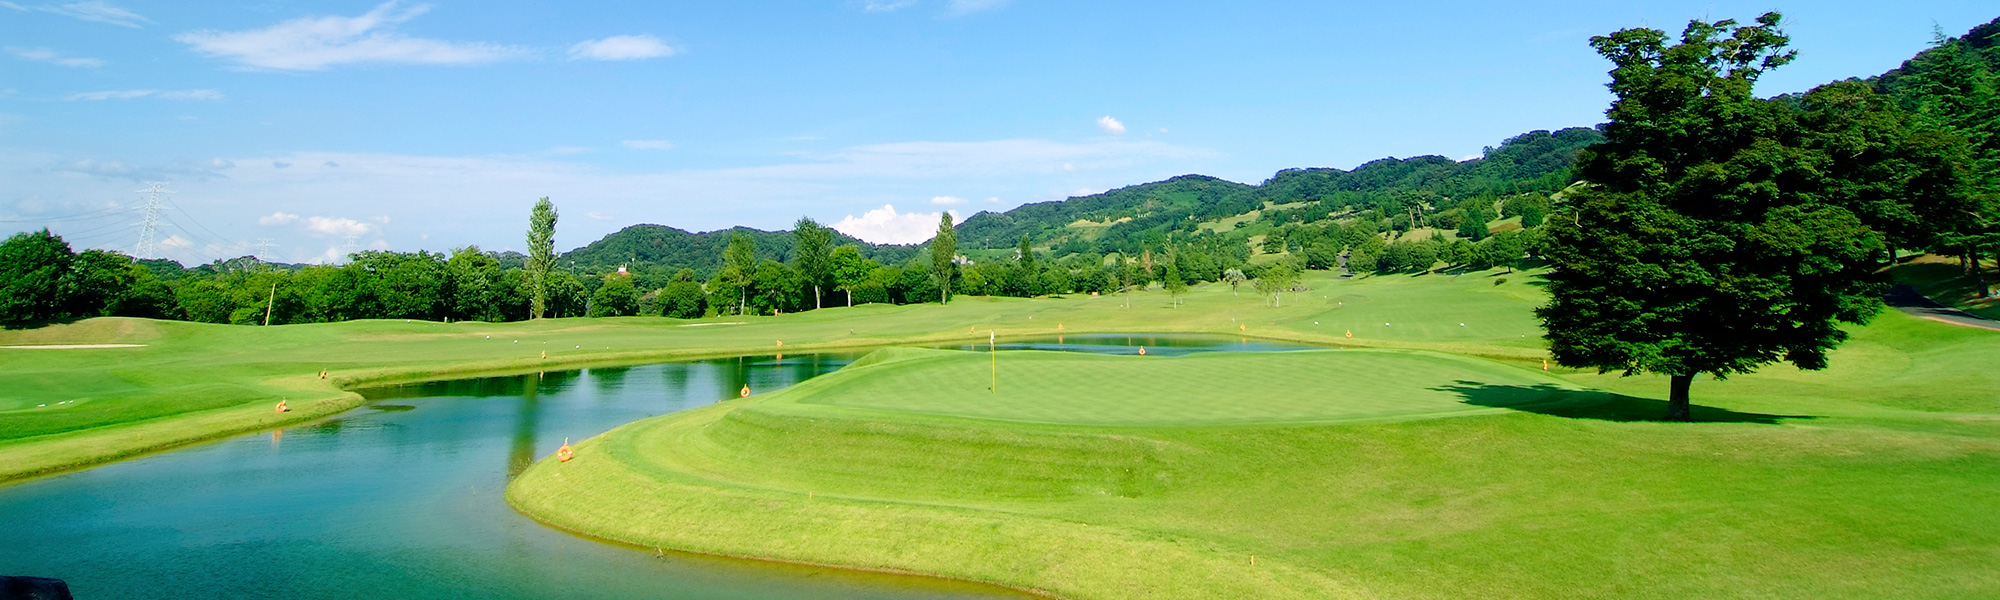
[(1557, 401)]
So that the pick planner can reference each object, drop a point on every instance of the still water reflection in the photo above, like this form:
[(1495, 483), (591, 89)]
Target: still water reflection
[(403, 498)]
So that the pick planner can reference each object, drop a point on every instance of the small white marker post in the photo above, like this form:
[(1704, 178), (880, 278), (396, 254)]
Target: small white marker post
[(993, 387)]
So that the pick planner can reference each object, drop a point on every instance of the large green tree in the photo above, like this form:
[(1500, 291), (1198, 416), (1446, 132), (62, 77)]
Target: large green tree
[(34, 266), (1703, 242), (739, 267), (812, 255), (944, 248), (1172, 279), (849, 270), (476, 284), (616, 298), (541, 254)]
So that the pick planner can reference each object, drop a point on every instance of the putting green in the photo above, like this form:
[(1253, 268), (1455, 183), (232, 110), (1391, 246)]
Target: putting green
[(1201, 389)]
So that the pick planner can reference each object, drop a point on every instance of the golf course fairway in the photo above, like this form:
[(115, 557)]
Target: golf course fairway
[(1312, 474)]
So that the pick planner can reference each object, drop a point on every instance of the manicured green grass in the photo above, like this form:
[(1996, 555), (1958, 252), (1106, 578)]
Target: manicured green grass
[(1286, 387), (1388, 472), (191, 381), (1877, 478)]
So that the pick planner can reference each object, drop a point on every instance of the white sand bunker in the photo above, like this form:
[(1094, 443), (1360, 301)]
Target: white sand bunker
[(72, 346)]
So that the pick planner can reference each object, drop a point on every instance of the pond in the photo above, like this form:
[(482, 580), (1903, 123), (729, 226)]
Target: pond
[(403, 498)]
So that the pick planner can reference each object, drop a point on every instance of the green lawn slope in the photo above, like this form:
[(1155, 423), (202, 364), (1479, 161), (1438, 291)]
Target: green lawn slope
[(1344, 473), (62, 408)]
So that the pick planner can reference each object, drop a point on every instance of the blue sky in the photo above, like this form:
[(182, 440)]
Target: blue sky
[(408, 125)]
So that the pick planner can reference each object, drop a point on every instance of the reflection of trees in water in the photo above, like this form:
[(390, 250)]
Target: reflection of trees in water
[(675, 376), (732, 374), (521, 452), (554, 381), (608, 380)]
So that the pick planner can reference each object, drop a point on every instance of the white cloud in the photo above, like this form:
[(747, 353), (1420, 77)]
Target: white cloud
[(136, 94), (647, 144), (597, 216), (278, 218), (621, 47), (993, 200), (886, 226), (1110, 125), (966, 7), (463, 200), (947, 200), (176, 241), (313, 43), (118, 170), (1470, 157), (886, 5), (46, 55), (89, 10), (337, 226)]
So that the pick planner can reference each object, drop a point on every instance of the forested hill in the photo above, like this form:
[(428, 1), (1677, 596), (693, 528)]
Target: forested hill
[(655, 245), (1534, 162), (1124, 218)]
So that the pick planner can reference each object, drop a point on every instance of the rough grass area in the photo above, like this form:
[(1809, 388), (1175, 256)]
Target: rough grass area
[(193, 381), (1877, 478)]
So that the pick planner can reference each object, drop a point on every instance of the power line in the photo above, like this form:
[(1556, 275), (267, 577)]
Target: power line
[(149, 247), (196, 222), (113, 211)]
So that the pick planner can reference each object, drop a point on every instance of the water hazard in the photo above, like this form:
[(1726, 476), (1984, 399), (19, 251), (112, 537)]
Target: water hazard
[(403, 498)]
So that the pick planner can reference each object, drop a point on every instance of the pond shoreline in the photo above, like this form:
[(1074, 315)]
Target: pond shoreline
[(71, 451)]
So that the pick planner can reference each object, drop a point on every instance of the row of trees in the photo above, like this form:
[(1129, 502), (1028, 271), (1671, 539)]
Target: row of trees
[(471, 284)]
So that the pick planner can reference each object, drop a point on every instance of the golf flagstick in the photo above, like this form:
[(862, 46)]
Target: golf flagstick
[(995, 357)]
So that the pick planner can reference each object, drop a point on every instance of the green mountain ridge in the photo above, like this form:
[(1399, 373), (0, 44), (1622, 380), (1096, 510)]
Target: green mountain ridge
[(1534, 162)]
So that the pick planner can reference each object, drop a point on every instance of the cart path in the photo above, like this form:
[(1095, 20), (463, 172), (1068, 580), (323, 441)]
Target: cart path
[(1906, 298)]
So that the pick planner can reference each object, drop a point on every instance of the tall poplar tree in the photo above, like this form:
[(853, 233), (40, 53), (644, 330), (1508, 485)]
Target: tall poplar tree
[(812, 254), (541, 254), (739, 267), (944, 248), (1701, 242), (1172, 279)]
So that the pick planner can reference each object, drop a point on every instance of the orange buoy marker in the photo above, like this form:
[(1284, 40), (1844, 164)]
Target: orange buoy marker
[(781, 343), (1059, 327), (1350, 333), (746, 391), (1242, 327), (282, 407), (564, 453), (1142, 351)]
